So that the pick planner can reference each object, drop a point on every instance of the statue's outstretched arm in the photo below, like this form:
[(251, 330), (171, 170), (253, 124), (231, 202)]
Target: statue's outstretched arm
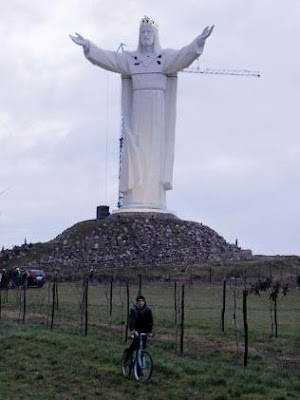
[(205, 34), (176, 60), (110, 60), (80, 40)]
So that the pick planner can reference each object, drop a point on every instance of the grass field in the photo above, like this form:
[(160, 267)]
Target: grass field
[(40, 363)]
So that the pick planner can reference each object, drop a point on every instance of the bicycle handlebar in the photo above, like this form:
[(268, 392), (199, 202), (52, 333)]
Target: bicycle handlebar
[(141, 334)]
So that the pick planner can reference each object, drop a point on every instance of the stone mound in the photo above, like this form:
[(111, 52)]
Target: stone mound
[(139, 239)]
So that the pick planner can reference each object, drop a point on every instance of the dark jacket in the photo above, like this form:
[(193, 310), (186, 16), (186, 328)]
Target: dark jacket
[(140, 319)]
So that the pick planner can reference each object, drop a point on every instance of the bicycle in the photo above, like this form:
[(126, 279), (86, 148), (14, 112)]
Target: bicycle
[(140, 361)]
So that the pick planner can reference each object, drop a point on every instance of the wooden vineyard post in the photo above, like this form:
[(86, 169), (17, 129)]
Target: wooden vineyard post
[(24, 303), (48, 303), (245, 293), (53, 302), (127, 311), (56, 293), (111, 295), (86, 291), (245, 276), (182, 319), (275, 316), (175, 302), (224, 305)]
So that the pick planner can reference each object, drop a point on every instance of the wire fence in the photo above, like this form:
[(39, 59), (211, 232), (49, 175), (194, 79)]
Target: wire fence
[(186, 313)]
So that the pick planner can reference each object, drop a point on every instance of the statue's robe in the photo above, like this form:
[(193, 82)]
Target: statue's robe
[(149, 86)]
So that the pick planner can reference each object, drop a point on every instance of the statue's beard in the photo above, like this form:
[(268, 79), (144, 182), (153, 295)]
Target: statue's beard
[(146, 47)]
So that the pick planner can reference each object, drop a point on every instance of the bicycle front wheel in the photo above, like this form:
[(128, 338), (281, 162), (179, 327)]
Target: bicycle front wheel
[(143, 366), (126, 363)]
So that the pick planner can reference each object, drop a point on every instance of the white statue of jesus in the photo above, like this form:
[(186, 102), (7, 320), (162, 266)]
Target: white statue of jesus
[(149, 84)]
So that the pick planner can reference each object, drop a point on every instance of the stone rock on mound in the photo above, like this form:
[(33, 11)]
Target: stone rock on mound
[(140, 239)]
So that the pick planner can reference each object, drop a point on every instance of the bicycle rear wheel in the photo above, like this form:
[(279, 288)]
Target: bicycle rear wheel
[(126, 363), (143, 366)]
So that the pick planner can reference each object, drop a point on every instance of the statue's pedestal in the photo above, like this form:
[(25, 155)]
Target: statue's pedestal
[(142, 210)]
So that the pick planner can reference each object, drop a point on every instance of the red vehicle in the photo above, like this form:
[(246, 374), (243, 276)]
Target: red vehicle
[(36, 277)]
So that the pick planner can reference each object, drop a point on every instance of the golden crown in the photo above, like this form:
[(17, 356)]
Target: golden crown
[(148, 21)]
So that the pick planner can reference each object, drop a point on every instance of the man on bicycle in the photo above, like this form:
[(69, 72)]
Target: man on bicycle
[(140, 321)]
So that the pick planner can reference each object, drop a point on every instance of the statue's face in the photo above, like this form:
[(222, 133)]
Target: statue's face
[(146, 36)]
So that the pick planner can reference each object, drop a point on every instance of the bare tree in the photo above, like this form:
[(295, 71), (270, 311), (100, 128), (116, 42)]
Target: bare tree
[(271, 290)]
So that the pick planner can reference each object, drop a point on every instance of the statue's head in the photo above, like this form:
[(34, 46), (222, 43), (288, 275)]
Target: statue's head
[(149, 35)]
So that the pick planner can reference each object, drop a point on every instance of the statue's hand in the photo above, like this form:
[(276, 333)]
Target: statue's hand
[(206, 33), (78, 39)]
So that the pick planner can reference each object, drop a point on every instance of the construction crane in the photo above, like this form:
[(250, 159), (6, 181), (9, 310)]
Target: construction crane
[(3, 191), (120, 198), (220, 71), (190, 70), (216, 71)]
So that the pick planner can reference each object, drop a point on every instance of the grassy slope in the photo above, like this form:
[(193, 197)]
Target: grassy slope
[(37, 363)]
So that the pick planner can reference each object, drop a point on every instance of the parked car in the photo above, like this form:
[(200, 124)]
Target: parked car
[(36, 277)]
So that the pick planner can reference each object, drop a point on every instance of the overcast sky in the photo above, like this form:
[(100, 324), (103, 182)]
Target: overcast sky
[(237, 160)]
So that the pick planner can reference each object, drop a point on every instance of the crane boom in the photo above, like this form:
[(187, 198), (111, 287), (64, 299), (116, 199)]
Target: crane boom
[(223, 71), (3, 191)]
